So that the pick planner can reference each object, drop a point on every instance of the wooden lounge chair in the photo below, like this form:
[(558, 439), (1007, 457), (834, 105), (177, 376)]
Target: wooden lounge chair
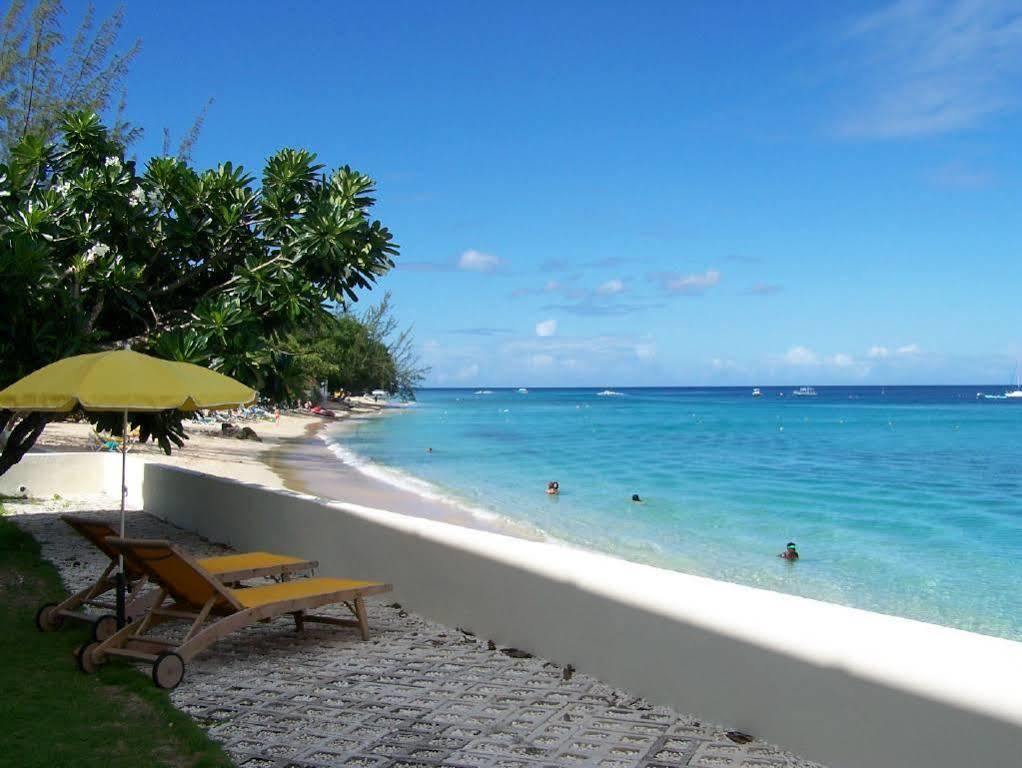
[(230, 569), (214, 610)]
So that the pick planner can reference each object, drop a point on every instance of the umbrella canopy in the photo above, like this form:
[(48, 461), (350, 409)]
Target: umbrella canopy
[(122, 380)]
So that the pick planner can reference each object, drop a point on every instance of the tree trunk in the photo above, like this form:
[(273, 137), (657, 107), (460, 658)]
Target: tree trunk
[(22, 437)]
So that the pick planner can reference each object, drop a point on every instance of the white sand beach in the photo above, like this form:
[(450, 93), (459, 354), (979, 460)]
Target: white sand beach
[(207, 449)]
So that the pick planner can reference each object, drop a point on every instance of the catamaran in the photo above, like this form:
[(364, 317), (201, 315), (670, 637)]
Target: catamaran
[(1011, 394), (756, 392), (804, 392)]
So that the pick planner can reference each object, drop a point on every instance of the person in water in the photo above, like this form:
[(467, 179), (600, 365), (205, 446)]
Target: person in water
[(790, 552), (553, 488), (636, 499)]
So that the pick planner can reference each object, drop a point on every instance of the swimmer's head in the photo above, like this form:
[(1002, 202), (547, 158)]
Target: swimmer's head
[(791, 546), (635, 497)]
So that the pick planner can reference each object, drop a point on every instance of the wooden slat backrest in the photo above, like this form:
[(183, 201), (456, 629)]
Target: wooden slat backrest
[(98, 532), (183, 578)]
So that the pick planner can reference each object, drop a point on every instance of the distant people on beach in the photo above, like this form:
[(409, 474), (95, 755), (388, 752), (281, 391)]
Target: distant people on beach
[(553, 488), (636, 499), (790, 552)]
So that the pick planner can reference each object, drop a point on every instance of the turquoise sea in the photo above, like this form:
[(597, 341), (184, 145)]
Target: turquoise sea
[(903, 500)]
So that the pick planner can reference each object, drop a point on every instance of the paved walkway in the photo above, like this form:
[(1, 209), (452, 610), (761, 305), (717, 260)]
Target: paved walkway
[(417, 695)]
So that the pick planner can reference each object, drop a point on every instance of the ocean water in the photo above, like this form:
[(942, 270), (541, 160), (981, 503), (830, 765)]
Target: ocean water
[(904, 500)]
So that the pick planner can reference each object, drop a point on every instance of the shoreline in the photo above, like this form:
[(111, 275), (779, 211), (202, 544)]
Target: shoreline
[(292, 455), (306, 464)]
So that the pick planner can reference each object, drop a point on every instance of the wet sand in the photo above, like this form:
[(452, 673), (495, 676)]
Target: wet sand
[(307, 465)]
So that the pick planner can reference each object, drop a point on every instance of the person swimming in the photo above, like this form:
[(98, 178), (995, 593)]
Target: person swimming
[(635, 498), (553, 488), (790, 552)]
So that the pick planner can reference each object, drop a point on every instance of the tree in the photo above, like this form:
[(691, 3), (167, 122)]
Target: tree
[(43, 75), (384, 328), (199, 266)]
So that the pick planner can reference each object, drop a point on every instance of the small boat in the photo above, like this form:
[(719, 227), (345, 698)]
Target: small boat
[(1011, 394), (756, 392), (523, 391), (608, 393), (804, 392)]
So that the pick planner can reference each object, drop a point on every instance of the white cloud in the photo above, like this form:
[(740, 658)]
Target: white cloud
[(645, 350), (693, 284), (546, 328), (430, 345), (883, 353), (610, 288), (477, 261), (723, 364), (840, 360), (928, 67), (541, 361), (959, 176), (467, 372), (800, 356)]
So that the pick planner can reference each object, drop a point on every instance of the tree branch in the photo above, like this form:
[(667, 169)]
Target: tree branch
[(22, 439)]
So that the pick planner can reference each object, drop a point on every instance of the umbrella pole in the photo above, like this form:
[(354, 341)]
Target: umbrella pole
[(121, 586)]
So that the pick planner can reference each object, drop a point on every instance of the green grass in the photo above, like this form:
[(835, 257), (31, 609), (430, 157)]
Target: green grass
[(51, 714)]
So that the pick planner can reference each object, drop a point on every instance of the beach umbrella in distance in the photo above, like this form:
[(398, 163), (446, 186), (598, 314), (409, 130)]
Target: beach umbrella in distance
[(123, 381)]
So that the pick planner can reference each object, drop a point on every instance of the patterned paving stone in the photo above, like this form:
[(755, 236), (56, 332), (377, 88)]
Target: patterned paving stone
[(416, 695)]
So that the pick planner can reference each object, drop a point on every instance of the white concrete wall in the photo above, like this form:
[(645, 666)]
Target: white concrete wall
[(846, 687), (44, 474)]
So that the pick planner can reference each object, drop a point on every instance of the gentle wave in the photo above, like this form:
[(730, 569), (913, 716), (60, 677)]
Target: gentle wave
[(410, 483)]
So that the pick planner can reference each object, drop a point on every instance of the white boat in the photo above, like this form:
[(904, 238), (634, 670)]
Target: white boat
[(523, 391), (1011, 394), (756, 392), (608, 393), (804, 392)]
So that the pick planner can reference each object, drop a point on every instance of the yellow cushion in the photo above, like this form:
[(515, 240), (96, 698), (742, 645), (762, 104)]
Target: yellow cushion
[(299, 589), (246, 561)]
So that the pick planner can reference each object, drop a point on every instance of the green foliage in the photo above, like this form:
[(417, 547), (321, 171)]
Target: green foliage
[(352, 353), (383, 327), (201, 266), (52, 713), (197, 266), (43, 75)]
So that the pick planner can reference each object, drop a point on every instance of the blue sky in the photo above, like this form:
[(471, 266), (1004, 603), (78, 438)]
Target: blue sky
[(607, 194)]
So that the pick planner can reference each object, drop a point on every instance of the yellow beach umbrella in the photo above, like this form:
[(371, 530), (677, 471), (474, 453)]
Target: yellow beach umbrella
[(127, 382), (122, 380)]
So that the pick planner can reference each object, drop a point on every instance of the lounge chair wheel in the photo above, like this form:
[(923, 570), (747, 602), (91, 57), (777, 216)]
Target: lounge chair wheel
[(86, 660), (168, 670), (104, 627), (47, 619)]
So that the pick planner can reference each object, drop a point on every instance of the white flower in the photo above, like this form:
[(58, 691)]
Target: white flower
[(137, 197), (298, 199), (113, 161), (62, 188), (155, 198), (96, 251)]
